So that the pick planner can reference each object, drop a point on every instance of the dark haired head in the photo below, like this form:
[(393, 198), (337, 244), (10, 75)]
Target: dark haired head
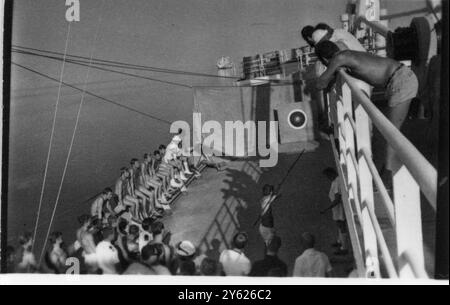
[(268, 189), (108, 233), (308, 240), (133, 161), (326, 50), (123, 170), (84, 219), (274, 245), (161, 147), (122, 226), (147, 224), (133, 230), (240, 240), (151, 250), (156, 153), (107, 191), (208, 267), (322, 26), (330, 173), (25, 238), (157, 227), (54, 237), (307, 32)]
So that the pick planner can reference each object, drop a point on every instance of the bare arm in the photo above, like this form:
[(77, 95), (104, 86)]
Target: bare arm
[(119, 191), (339, 61), (109, 208)]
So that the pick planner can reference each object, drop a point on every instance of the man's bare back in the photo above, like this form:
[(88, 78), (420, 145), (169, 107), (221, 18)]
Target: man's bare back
[(374, 70)]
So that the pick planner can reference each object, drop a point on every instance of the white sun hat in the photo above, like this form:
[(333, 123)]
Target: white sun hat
[(318, 35)]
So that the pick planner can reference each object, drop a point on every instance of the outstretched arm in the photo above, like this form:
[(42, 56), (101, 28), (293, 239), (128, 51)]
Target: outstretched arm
[(339, 61)]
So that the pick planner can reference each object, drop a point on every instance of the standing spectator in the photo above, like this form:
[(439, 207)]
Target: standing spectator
[(267, 226), (185, 252), (56, 257), (10, 260), (338, 211), (312, 263), (233, 261), (26, 261), (271, 261), (100, 207)]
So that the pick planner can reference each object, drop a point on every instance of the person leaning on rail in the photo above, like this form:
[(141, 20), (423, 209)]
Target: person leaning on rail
[(400, 82)]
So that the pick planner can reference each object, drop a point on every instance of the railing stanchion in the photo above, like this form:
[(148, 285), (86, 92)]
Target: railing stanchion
[(408, 220), (370, 240)]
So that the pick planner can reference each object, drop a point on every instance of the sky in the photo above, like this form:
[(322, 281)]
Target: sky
[(184, 35)]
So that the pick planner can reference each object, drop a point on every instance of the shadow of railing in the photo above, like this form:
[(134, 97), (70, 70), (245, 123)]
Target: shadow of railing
[(235, 212)]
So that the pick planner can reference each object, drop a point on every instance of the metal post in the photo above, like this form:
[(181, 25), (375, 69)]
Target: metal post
[(370, 241), (408, 222), (5, 128), (441, 267)]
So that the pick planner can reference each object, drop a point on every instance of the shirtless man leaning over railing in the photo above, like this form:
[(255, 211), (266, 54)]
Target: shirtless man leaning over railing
[(400, 82)]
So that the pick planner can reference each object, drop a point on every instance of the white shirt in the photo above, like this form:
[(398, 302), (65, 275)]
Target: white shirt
[(345, 37), (312, 263), (235, 263), (172, 152), (338, 211)]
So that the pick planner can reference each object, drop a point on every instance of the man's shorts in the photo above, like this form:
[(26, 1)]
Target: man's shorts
[(402, 86)]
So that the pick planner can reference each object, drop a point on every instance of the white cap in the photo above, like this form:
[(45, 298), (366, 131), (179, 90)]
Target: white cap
[(107, 254), (176, 139), (318, 35), (186, 248)]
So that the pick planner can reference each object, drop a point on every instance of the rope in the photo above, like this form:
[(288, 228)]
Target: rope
[(131, 66), (72, 141), (51, 137), (95, 95), (109, 70), (274, 83)]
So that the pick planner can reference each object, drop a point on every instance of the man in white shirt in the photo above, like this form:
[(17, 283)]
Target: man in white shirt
[(337, 210), (312, 263), (233, 261)]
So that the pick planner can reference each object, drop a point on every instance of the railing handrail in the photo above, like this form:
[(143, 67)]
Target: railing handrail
[(420, 168)]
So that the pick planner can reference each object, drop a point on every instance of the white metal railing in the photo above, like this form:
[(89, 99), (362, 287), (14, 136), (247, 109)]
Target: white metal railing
[(352, 114)]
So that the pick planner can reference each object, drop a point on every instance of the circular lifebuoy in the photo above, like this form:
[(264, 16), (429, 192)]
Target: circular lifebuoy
[(297, 119)]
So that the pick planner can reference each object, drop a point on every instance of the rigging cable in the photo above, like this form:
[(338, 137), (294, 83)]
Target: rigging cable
[(131, 66), (95, 95), (113, 71), (72, 141), (51, 136), (274, 83)]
